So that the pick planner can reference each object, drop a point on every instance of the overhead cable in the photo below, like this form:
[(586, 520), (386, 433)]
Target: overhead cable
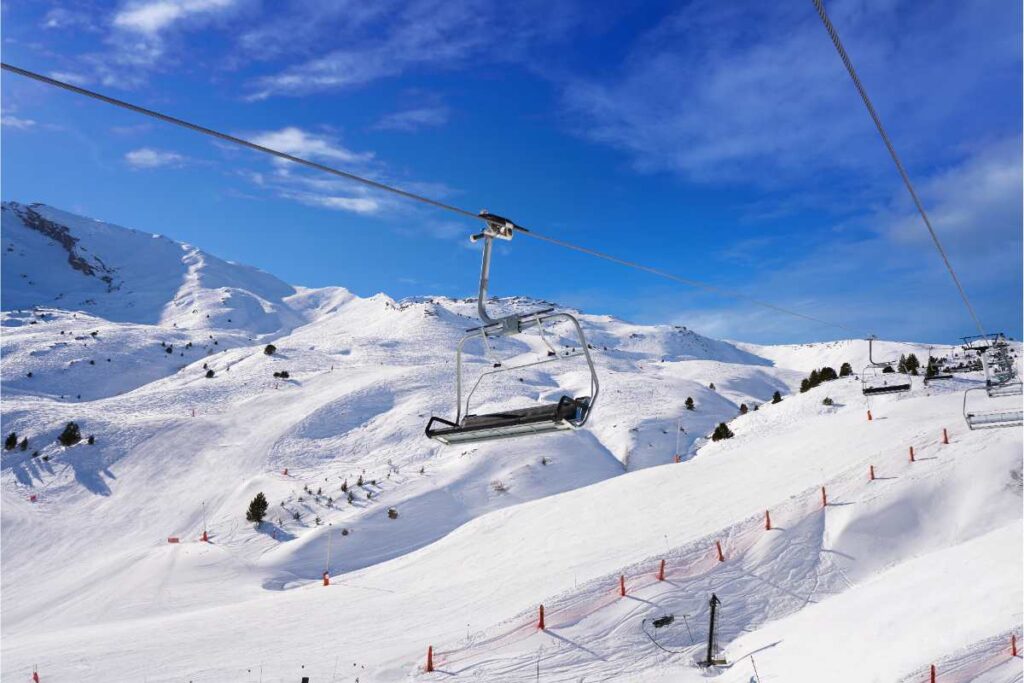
[(403, 193)]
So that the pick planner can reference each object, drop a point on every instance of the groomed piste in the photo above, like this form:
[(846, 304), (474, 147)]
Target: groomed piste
[(870, 579)]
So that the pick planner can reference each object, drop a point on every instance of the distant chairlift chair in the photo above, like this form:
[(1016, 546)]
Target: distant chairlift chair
[(876, 380), (565, 414), (1001, 381)]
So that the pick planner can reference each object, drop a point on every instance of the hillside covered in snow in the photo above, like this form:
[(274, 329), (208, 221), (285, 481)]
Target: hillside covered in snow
[(198, 383)]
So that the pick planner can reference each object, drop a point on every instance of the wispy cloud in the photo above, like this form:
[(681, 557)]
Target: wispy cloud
[(889, 279), (298, 142), (58, 18), (15, 122), (153, 16), (360, 205), (146, 157), (386, 39), (296, 183), (413, 119), (139, 36), (71, 77), (291, 182), (753, 92)]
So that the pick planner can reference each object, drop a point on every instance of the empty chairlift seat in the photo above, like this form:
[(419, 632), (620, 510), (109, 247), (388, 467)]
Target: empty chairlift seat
[(566, 414), (882, 385), (880, 377)]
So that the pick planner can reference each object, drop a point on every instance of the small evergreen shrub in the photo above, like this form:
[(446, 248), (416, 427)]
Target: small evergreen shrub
[(845, 370), (689, 403), (392, 513), (776, 397), (71, 435), (24, 444), (11, 441), (209, 374), (722, 431), (269, 349), (827, 401), (257, 509)]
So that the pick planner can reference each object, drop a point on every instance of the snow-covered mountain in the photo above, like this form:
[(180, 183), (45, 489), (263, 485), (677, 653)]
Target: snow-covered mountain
[(118, 331)]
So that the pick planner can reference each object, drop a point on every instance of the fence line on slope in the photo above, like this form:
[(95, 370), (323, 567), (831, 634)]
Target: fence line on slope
[(700, 557)]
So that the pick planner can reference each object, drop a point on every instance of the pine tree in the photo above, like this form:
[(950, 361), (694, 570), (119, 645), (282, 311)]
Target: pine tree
[(257, 509), (805, 385), (845, 370), (71, 435), (814, 379), (933, 367), (11, 441), (913, 364), (712, 387), (827, 374), (776, 397), (722, 431), (743, 409), (24, 444), (902, 367), (689, 403), (269, 349)]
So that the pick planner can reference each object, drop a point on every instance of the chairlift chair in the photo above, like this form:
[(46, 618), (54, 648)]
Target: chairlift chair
[(990, 418), (1001, 381), (938, 376), (567, 413), (873, 379)]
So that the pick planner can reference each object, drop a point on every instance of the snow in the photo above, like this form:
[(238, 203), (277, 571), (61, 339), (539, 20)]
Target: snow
[(921, 566)]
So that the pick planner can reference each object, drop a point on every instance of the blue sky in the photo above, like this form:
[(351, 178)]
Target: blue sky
[(720, 141)]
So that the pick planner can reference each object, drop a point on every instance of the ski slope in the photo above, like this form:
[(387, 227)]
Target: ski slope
[(921, 566)]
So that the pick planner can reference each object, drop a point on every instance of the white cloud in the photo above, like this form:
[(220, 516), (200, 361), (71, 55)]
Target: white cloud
[(298, 142), (63, 18), (414, 119), (146, 157), (153, 16), (360, 205), (15, 122), (387, 38), (70, 77), (754, 92)]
